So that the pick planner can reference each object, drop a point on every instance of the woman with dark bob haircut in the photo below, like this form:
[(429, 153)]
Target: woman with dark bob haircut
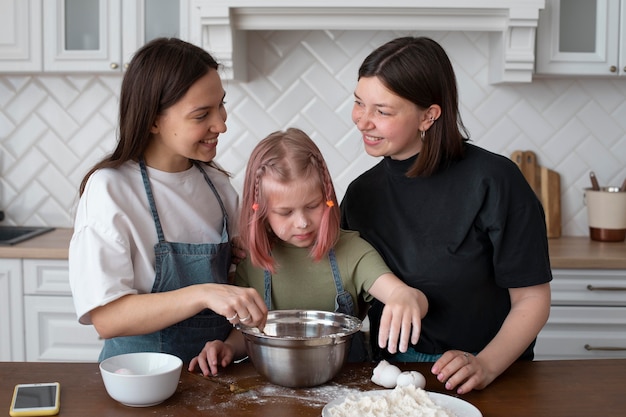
[(451, 219)]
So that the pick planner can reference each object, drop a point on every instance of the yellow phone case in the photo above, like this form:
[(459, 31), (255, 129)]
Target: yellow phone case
[(27, 412)]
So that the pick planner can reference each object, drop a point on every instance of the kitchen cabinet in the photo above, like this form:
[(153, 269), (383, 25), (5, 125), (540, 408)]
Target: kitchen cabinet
[(11, 311), (587, 316), (102, 35), (37, 318), (20, 35), (52, 331), (582, 37)]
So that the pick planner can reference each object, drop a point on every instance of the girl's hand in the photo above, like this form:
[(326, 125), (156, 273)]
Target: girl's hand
[(215, 353), (238, 253), (405, 307), (401, 319)]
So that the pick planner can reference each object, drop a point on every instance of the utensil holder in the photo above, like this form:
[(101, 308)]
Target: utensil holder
[(606, 212)]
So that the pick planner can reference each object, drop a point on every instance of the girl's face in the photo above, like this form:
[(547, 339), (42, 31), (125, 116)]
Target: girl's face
[(294, 210), (189, 129), (389, 123)]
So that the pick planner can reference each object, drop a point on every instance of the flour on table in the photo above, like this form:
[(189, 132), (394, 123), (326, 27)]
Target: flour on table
[(270, 395), (403, 401)]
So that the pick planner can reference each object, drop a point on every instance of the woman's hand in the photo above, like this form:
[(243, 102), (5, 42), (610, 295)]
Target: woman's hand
[(460, 369), (237, 304), (530, 307)]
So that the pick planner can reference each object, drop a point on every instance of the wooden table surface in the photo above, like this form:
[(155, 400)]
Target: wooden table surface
[(584, 388)]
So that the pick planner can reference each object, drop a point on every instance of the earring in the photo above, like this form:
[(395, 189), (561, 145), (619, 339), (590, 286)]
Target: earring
[(422, 134)]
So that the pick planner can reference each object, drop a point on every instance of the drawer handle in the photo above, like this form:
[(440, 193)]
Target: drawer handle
[(609, 348), (592, 288)]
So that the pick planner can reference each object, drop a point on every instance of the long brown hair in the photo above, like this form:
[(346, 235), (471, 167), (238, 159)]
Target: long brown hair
[(285, 156), (418, 70), (159, 75)]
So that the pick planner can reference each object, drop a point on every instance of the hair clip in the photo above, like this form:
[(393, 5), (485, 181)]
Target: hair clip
[(330, 203), (255, 206)]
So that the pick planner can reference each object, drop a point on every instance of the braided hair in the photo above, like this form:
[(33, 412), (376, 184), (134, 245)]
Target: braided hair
[(286, 156)]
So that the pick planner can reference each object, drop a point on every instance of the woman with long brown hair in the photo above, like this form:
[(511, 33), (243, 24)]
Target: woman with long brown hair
[(150, 255)]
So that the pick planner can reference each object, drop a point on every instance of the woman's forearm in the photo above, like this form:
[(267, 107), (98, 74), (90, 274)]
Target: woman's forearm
[(137, 314), (530, 308)]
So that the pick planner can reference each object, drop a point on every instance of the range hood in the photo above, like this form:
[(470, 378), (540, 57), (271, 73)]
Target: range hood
[(219, 26)]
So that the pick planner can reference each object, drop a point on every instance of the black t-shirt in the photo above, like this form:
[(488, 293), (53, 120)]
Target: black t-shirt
[(463, 236)]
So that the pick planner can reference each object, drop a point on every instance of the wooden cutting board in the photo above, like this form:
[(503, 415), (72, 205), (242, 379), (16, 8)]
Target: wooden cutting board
[(547, 186)]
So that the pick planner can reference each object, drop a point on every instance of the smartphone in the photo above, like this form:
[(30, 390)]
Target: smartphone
[(41, 399)]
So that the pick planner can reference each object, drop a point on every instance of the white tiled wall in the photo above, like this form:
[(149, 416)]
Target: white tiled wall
[(54, 127)]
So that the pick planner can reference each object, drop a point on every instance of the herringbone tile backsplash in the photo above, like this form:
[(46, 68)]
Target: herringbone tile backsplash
[(54, 127)]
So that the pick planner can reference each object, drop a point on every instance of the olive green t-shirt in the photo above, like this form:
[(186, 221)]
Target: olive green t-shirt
[(301, 283)]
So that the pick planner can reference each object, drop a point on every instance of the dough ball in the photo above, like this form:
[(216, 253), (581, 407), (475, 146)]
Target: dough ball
[(378, 371), (385, 374), (411, 378)]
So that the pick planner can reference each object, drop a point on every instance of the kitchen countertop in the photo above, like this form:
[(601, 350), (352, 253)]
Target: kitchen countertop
[(580, 252), (540, 389), (568, 252), (50, 245)]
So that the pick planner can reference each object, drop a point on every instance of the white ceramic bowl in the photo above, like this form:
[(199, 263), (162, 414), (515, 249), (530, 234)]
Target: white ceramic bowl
[(141, 379)]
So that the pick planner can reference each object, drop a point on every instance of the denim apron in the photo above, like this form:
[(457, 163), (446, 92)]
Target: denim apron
[(343, 304), (179, 265)]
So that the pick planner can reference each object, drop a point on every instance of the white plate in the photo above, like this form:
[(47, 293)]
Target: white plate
[(458, 406)]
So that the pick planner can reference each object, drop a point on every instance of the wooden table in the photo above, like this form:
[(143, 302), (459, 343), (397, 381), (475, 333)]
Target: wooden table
[(584, 388)]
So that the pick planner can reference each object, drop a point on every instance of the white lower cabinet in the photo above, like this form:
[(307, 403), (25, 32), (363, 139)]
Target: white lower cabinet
[(51, 329), (38, 321), (587, 316), (11, 311), (53, 334)]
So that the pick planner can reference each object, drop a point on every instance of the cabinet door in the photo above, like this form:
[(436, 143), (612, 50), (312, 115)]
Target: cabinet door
[(82, 35), (102, 35), (144, 20), (11, 311), (583, 333), (52, 331), (20, 36), (47, 277), (622, 39), (579, 37), (592, 287), (54, 334)]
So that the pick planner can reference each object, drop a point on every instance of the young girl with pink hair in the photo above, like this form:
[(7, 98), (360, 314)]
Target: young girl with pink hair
[(298, 258)]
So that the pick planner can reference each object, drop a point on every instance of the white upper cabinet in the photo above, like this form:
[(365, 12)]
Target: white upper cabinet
[(582, 37), (82, 35), (20, 36), (102, 35)]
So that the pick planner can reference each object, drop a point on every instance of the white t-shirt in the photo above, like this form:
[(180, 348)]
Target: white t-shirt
[(111, 253)]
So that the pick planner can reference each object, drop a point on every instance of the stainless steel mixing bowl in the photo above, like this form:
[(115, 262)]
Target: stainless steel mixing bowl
[(301, 348)]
